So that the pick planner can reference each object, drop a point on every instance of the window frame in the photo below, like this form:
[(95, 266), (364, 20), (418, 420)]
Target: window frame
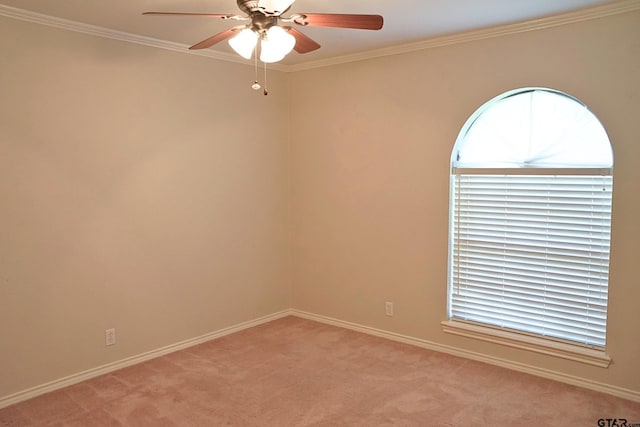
[(566, 349)]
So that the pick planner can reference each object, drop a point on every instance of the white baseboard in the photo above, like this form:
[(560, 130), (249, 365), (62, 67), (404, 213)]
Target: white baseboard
[(516, 366), (114, 366)]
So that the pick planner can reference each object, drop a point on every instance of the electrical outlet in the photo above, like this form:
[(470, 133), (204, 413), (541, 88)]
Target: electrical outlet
[(388, 308), (110, 336)]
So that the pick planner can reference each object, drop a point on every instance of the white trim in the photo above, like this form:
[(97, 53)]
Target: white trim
[(429, 345), (563, 350), (114, 366), (624, 393), (480, 170), (94, 30), (596, 12)]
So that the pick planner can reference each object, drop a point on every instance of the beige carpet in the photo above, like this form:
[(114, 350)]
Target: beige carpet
[(295, 372)]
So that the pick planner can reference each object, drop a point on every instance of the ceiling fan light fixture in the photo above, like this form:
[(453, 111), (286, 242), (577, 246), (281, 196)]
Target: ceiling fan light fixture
[(276, 44), (244, 43), (275, 41)]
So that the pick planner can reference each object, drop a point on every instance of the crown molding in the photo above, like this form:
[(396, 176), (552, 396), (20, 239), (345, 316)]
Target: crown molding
[(595, 12), (94, 30)]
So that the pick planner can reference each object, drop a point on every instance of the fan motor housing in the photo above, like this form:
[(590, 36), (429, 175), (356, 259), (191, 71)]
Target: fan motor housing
[(259, 21), (248, 6)]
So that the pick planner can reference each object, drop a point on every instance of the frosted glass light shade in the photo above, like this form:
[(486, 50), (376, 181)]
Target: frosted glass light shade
[(276, 44), (244, 43), (274, 7)]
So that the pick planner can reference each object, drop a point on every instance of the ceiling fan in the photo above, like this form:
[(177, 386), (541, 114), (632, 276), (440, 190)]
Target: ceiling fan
[(274, 33)]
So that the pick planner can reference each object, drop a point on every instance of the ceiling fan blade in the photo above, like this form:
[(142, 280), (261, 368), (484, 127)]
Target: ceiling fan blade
[(340, 20), (210, 15), (304, 44), (215, 39)]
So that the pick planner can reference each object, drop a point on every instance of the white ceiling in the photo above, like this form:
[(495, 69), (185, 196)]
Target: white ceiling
[(405, 20)]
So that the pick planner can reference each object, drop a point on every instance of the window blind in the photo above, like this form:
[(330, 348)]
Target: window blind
[(531, 253)]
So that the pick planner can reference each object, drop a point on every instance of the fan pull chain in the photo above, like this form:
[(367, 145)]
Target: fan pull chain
[(266, 92), (255, 85)]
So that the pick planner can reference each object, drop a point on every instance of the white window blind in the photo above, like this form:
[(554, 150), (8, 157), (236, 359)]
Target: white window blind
[(530, 252)]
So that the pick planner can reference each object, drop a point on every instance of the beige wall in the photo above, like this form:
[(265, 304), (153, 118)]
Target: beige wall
[(370, 177), (139, 190)]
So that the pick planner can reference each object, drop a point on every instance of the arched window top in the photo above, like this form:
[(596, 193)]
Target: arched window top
[(533, 128)]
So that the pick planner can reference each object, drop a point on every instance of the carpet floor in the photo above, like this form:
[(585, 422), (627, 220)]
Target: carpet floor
[(296, 372)]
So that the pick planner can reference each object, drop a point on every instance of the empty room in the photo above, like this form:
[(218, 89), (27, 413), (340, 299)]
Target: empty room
[(306, 213)]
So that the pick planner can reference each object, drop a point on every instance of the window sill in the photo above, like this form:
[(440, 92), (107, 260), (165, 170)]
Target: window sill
[(526, 342)]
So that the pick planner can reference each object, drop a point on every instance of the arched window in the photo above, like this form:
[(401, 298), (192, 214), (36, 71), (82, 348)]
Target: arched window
[(531, 185)]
